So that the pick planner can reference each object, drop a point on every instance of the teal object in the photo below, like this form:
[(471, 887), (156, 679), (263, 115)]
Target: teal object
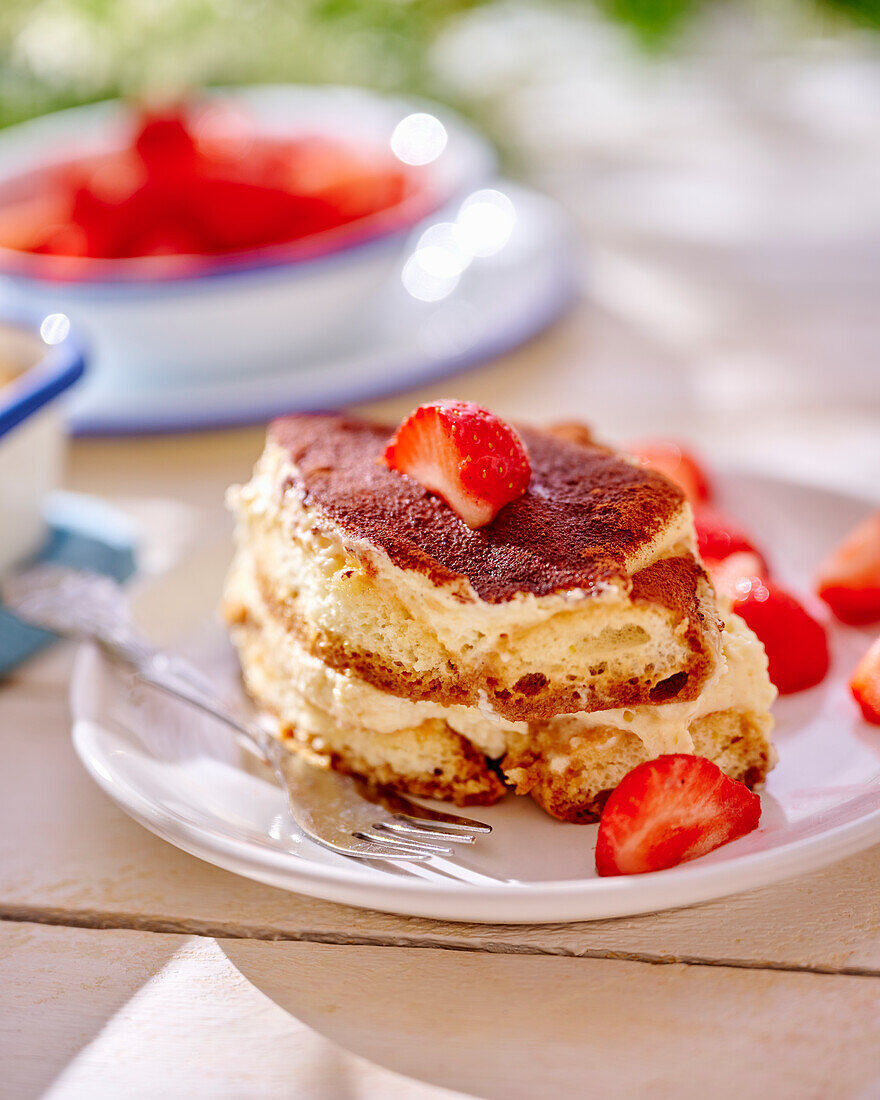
[(85, 534)]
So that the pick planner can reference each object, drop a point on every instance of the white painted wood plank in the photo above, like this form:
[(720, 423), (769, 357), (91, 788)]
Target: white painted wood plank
[(93, 1014), (98, 1015), (67, 854), (189, 469)]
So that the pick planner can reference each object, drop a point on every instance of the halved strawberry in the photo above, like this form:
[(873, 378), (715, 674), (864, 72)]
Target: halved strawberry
[(669, 810), (669, 458), (726, 573), (796, 644), (463, 453), (849, 580), (865, 684)]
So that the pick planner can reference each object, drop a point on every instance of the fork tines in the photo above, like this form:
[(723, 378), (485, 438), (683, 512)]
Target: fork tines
[(407, 837)]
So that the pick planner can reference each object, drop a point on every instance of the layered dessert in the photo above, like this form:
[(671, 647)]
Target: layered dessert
[(546, 651)]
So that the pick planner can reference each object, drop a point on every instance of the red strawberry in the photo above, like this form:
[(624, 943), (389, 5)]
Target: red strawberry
[(164, 142), (669, 810), (670, 459), (865, 684), (465, 454), (726, 574), (107, 225), (718, 537), (849, 580), (796, 644), (233, 215)]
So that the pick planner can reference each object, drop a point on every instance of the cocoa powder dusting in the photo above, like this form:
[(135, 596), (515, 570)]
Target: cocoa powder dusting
[(586, 510)]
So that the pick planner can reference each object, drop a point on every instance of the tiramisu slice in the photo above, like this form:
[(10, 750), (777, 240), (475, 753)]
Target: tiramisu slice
[(571, 636)]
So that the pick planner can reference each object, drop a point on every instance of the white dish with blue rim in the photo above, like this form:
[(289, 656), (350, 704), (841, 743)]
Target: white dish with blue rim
[(478, 306), (39, 360), (269, 308)]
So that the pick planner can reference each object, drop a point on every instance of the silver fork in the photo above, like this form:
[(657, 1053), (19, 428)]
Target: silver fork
[(333, 810)]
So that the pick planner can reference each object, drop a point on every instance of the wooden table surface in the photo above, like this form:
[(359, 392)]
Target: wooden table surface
[(131, 969)]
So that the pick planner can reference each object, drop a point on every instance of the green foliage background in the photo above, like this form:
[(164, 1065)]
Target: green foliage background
[(56, 53)]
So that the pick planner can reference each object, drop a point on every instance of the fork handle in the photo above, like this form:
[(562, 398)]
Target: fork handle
[(178, 678)]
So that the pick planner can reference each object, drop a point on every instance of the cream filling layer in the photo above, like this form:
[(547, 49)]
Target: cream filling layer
[(739, 683), (318, 700)]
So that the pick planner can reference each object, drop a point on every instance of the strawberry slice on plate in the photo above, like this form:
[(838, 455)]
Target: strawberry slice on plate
[(671, 809), (849, 580), (728, 553), (796, 643), (727, 573), (718, 537), (671, 459), (463, 453), (865, 684)]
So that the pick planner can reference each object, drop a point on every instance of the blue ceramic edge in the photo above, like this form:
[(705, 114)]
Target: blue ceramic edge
[(140, 288), (58, 368)]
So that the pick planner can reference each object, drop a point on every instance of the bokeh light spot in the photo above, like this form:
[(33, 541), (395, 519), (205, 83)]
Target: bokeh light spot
[(419, 139), (485, 222), (427, 276), (55, 328)]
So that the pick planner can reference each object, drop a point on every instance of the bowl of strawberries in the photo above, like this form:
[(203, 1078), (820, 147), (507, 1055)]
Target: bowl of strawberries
[(232, 234)]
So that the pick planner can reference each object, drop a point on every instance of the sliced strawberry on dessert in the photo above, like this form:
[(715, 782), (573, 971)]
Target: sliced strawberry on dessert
[(865, 684), (796, 644), (671, 809), (463, 453), (849, 580), (667, 457)]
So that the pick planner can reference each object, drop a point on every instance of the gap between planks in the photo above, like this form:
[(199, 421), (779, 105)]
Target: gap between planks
[(34, 687), (109, 920)]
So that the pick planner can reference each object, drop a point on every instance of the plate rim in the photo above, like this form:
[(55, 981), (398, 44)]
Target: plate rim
[(571, 900)]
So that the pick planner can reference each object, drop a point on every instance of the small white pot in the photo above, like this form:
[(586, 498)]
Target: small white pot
[(32, 432)]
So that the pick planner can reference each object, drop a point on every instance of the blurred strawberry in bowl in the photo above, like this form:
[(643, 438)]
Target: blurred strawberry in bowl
[(170, 194)]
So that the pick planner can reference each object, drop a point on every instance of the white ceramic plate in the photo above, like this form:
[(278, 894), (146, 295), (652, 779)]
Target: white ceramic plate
[(499, 302), (190, 785)]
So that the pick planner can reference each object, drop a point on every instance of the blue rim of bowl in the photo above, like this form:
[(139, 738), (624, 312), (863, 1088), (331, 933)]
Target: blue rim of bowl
[(268, 261), (55, 371), (277, 266)]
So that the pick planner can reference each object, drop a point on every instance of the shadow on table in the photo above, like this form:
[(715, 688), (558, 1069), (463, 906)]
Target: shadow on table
[(516, 1027)]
